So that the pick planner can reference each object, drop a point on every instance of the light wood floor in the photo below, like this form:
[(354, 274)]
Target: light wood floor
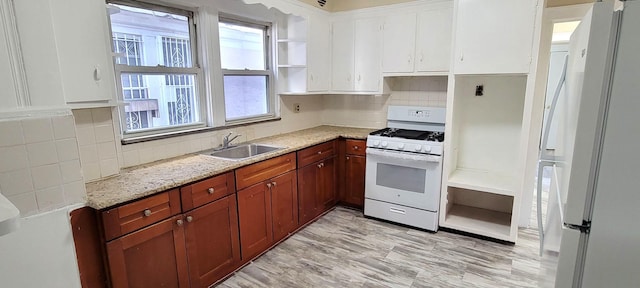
[(345, 249)]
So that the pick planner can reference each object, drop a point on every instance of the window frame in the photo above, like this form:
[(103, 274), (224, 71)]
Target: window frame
[(268, 43), (195, 70)]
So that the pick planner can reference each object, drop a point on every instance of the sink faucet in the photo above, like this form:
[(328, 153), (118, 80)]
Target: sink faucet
[(226, 141)]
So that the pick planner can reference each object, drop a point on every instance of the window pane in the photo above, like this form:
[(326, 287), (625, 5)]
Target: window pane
[(143, 37), (245, 96), (242, 47), (159, 100)]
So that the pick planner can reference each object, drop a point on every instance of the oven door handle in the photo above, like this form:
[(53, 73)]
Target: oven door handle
[(403, 155)]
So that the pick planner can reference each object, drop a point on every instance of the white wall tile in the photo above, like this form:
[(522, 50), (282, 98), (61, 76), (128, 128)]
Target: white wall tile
[(106, 150), (91, 171), (16, 182), (74, 192), (26, 203), (109, 167), (67, 149), (101, 116), (89, 154), (37, 130), (42, 153), (83, 117), (71, 171), (104, 133), (11, 133), (86, 135), (46, 176), (50, 198), (146, 155), (131, 158), (13, 158), (64, 127)]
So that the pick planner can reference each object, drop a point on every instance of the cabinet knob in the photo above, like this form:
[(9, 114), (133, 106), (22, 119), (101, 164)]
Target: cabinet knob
[(359, 77), (320, 165), (211, 190), (355, 147), (147, 212), (269, 185), (274, 184), (189, 219), (179, 222), (347, 157), (319, 152)]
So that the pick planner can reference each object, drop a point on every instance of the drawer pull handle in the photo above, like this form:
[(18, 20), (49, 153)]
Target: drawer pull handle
[(269, 185), (147, 212), (179, 222), (211, 190), (189, 219), (396, 210)]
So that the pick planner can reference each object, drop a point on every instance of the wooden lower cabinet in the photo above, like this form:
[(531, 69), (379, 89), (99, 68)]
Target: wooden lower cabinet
[(194, 249), (152, 257), (317, 189), (284, 205), (355, 168), (213, 246), (254, 209)]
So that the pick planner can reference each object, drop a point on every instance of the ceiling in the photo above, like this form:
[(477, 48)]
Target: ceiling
[(344, 5)]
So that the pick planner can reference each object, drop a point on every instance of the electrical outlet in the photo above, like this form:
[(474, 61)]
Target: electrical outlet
[(296, 108)]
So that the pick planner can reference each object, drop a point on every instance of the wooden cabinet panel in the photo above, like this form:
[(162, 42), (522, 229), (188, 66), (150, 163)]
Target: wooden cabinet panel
[(356, 147), (307, 190), (354, 180), (152, 257), (212, 241), (326, 196), (254, 209), (284, 204), (259, 172), (130, 217), (206, 191), (316, 153)]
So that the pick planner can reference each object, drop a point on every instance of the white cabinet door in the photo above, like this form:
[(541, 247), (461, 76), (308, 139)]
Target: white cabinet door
[(433, 43), (82, 39), (367, 55), (494, 36), (399, 38), (318, 55), (343, 56), (8, 98)]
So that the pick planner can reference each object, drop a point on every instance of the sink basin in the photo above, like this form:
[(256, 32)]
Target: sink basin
[(243, 151)]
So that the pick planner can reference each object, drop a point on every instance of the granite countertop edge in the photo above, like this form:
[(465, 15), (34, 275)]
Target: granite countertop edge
[(148, 179)]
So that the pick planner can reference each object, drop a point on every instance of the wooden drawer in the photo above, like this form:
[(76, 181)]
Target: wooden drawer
[(133, 216), (206, 191), (316, 153), (254, 173), (356, 147)]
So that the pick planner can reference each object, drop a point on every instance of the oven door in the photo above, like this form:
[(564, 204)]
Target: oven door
[(403, 178)]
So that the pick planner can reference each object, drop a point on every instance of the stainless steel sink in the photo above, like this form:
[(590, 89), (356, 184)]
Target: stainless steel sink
[(242, 151)]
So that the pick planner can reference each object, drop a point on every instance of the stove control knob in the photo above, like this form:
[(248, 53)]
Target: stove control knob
[(427, 148), (384, 143), (418, 147), (401, 146), (376, 143)]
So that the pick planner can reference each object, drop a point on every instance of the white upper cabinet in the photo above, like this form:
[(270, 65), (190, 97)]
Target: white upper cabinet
[(494, 36), (418, 42), (319, 55), (356, 55), (84, 53), (399, 38)]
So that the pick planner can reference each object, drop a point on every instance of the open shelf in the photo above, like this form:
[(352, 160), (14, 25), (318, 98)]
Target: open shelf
[(479, 221), (482, 180)]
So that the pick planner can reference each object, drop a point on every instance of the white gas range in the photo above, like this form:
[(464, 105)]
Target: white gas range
[(404, 167)]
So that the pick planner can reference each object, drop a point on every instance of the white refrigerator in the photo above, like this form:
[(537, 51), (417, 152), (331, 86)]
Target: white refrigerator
[(599, 151)]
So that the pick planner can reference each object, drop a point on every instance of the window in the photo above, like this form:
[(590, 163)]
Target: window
[(156, 64), (246, 69)]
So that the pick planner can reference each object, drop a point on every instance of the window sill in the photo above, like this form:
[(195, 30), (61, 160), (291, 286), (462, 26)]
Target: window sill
[(147, 138)]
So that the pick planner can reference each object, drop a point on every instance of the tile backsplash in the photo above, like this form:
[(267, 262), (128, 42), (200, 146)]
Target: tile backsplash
[(97, 143), (40, 168)]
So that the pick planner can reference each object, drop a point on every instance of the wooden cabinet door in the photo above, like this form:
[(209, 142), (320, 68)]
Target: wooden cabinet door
[(284, 204), (213, 244), (307, 190), (354, 183), (326, 194), (433, 40), (254, 209), (343, 56), (152, 257), (399, 38)]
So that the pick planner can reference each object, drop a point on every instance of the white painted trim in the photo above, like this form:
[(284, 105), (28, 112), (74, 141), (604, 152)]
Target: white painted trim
[(34, 112), (7, 15)]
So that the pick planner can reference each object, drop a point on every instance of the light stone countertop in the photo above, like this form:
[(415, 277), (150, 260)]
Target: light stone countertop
[(140, 181)]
